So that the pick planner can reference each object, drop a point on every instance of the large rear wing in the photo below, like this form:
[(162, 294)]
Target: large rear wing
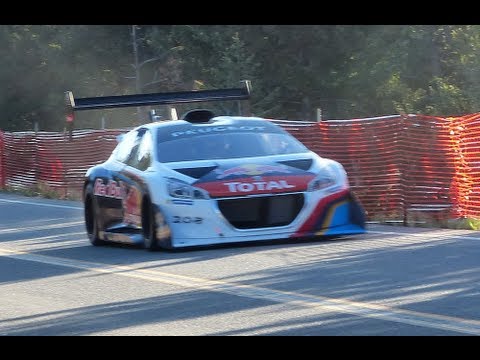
[(167, 98)]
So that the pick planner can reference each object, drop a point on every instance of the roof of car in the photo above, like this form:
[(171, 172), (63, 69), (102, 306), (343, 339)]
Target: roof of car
[(218, 120)]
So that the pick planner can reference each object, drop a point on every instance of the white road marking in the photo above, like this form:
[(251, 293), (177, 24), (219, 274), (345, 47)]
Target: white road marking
[(362, 309), (445, 232), (41, 227), (41, 204)]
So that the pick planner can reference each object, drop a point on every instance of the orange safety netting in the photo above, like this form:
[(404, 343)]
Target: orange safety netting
[(396, 164), (51, 161), (404, 163), (2, 167)]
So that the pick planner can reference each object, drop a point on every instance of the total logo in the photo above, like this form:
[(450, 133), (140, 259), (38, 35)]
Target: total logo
[(235, 186)]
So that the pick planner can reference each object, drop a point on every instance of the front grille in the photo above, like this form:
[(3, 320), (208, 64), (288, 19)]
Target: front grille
[(262, 211)]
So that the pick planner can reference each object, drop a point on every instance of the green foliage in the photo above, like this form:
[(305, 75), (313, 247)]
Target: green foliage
[(463, 224), (473, 224), (346, 70), (41, 62)]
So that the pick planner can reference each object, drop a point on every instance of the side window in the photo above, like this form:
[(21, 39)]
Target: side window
[(124, 148), (143, 158), (141, 154)]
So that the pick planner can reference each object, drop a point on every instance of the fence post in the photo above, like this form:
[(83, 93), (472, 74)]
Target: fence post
[(319, 115), (403, 167), (35, 160), (2, 161)]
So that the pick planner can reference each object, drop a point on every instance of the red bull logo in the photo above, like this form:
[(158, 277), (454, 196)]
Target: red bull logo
[(132, 207), (252, 170), (112, 189)]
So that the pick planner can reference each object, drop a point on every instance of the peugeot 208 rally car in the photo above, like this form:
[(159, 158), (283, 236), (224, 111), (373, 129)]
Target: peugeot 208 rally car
[(230, 179), (209, 179)]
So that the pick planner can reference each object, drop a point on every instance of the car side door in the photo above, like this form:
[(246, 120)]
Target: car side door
[(133, 176), (110, 185)]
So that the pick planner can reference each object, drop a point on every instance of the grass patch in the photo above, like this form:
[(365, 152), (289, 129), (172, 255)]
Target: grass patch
[(40, 190), (464, 224), (427, 220)]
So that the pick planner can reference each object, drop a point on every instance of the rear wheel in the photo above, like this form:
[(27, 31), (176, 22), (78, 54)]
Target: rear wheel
[(91, 223)]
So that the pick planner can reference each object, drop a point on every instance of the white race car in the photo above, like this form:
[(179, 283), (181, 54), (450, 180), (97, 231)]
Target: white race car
[(208, 179)]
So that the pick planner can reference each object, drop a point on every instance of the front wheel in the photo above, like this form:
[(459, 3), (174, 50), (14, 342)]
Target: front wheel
[(156, 232)]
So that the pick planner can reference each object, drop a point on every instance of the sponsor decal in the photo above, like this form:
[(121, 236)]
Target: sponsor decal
[(130, 196), (132, 207), (187, 220), (236, 186), (252, 170), (112, 189), (254, 185), (215, 129)]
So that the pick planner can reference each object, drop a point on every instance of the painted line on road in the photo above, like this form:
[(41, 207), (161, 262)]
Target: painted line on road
[(41, 204), (368, 231), (362, 309), (47, 242), (41, 227), (450, 233)]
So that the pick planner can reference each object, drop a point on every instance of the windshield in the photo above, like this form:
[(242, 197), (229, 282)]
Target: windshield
[(228, 146)]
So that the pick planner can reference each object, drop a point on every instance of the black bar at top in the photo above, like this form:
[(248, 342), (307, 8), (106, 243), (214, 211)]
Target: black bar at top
[(105, 102)]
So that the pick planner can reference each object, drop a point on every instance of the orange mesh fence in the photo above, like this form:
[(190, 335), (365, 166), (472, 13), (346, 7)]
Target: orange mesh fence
[(428, 170), (50, 162), (397, 165), (2, 167), (369, 151), (463, 143)]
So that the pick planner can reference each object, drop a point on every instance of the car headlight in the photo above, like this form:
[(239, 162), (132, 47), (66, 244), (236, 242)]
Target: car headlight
[(181, 190), (329, 176)]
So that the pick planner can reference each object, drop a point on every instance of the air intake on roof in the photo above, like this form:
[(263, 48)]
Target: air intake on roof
[(198, 116)]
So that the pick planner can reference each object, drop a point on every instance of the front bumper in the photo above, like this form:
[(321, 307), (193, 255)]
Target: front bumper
[(201, 222)]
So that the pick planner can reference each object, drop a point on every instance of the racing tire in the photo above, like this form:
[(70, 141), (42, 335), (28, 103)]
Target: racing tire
[(91, 223), (152, 227)]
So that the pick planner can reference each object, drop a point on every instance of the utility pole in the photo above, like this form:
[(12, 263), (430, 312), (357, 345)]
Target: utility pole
[(138, 86), (138, 65)]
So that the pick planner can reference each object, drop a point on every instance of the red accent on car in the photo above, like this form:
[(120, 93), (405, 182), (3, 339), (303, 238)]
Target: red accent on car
[(308, 226), (256, 185)]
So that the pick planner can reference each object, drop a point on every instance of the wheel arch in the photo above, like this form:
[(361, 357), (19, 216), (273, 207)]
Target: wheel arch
[(149, 208)]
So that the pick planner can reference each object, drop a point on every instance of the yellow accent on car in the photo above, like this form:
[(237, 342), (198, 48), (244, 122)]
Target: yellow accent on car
[(328, 218)]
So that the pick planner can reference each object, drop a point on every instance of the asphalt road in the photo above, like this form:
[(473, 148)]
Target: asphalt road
[(391, 281)]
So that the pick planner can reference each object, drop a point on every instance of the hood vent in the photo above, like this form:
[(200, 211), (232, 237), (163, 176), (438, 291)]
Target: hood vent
[(196, 173), (302, 164)]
